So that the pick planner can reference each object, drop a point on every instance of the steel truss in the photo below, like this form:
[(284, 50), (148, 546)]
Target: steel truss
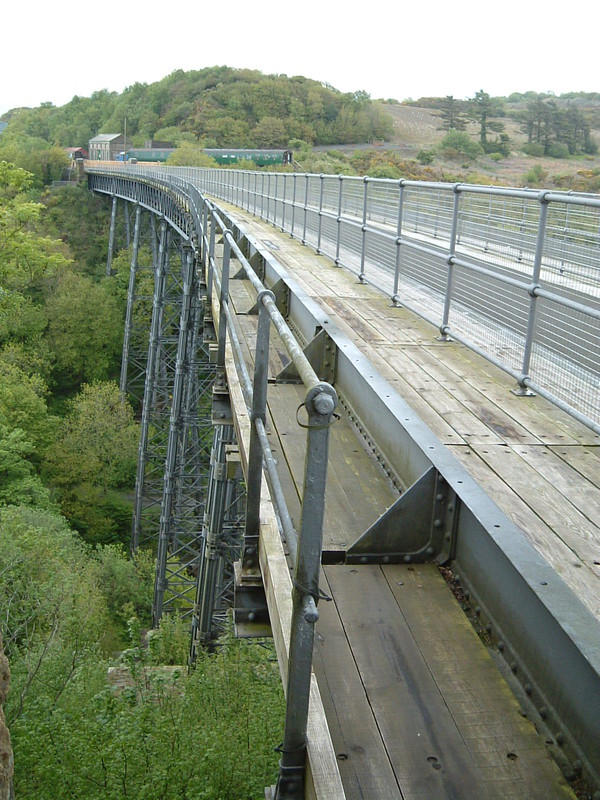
[(188, 501)]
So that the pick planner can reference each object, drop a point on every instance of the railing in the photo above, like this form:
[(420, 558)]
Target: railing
[(304, 547), (514, 274)]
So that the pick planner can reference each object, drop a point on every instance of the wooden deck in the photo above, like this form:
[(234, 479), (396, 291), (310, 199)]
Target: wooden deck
[(415, 705)]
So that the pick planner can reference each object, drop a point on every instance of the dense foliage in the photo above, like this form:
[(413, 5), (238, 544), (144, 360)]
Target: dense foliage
[(217, 106)]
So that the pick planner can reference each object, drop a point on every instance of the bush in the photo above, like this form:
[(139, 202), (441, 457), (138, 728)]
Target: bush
[(458, 144), (536, 175), (558, 150), (534, 149), (425, 156)]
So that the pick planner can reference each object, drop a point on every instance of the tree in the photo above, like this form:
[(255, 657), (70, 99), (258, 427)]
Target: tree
[(484, 109), (23, 406), (84, 328), (453, 116), (459, 143), (25, 255), (93, 460), (19, 483)]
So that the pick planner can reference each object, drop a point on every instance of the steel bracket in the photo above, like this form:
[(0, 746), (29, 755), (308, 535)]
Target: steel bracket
[(419, 526), (221, 407), (322, 355), (282, 298)]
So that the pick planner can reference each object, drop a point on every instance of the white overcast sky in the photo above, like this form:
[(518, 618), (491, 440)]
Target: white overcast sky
[(386, 48)]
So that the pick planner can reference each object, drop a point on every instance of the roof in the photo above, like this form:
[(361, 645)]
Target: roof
[(106, 137)]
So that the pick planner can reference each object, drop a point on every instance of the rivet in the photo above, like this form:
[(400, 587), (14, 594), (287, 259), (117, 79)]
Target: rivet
[(514, 666), (437, 523), (528, 688), (543, 712), (560, 739), (501, 646)]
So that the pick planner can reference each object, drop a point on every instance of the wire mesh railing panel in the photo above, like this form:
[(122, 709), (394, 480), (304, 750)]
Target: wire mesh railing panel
[(566, 357), (572, 247), (490, 314)]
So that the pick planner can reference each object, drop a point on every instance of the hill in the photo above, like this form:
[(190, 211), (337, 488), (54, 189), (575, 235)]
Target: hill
[(531, 139)]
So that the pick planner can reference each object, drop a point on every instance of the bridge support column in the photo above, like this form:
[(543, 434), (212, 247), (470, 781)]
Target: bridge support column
[(150, 386), (130, 300), (111, 236)]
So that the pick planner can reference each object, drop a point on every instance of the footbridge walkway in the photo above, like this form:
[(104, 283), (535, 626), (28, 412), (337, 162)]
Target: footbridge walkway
[(378, 439)]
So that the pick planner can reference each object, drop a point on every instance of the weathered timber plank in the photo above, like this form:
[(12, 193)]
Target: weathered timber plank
[(363, 762), (561, 556), (357, 491), (423, 742), (584, 460), (511, 755)]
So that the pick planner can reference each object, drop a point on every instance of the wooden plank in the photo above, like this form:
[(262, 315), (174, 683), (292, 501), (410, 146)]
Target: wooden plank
[(357, 490), (584, 460), (552, 425), (363, 762), (511, 755), (561, 556), (423, 742)]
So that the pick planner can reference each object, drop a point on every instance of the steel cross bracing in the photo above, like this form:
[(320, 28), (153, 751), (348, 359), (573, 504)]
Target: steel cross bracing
[(173, 456)]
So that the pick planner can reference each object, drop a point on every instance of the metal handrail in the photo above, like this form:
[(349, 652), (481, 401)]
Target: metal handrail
[(439, 249)]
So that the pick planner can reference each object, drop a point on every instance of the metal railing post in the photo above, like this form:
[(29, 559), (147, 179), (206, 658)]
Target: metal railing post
[(320, 403), (305, 208), (293, 204), (398, 266), (363, 244), (259, 406), (283, 199), (523, 389), (339, 223), (444, 327), (320, 224)]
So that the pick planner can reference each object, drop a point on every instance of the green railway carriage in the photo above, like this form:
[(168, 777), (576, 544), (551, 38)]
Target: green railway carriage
[(149, 154), (262, 158)]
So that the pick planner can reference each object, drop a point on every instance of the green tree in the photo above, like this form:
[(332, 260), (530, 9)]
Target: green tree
[(485, 110), (93, 461), (19, 483), (23, 405), (452, 114), (84, 328), (458, 143), (25, 255)]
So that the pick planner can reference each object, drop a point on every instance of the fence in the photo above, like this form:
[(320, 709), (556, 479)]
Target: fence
[(513, 274)]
